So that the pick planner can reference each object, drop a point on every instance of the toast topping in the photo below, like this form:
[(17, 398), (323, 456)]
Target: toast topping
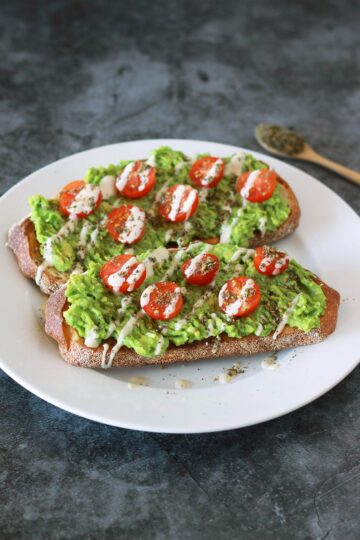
[(178, 203), (217, 215), (201, 270), (123, 274), (239, 296), (256, 186), (207, 172), (79, 199), (270, 261), (136, 180), (126, 224), (231, 304)]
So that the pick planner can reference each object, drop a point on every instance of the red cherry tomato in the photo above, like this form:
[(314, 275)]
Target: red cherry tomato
[(270, 261), (257, 186), (126, 224), (201, 270), (207, 171), (178, 203), (123, 273), (239, 296), (136, 180), (79, 199), (162, 301)]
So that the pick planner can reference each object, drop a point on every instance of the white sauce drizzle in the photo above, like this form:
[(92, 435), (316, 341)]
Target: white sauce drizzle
[(103, 358), (160, 255), (177, 199), (212, 172), (132, 226), (118, 278), (39, 272), (168, 235), (92, 338), (84, 201), (159, 345), (125, 331), (66, 229), (188, 226), (262, 225), (170, 308), (235, 165), (203, 193), (107, 186), (191, 269), (135, 275), (227, 228), (245, 190), (279, 264), (151, 161), (145, 295), (259, 329), (232, 308), (242, 251), (285, 317), (123, 177)]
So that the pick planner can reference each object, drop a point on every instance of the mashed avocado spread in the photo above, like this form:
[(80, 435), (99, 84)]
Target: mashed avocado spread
[(96, 311), (220, 215)]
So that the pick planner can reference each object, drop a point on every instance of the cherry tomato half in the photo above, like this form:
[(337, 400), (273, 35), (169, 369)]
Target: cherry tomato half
[(162, 301), (79, 199), (126, 224), (136, 180), (122, 274), (257, 186), (178, 203), (207, 171), (239, 296), (270, 261), (201, 270)]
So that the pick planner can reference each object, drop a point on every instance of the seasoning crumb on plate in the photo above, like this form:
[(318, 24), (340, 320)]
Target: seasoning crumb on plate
[(270, 362), (183, 383), (229, 374), (137, 381)]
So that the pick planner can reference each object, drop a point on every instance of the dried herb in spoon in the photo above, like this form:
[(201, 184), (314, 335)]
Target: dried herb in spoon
[(280, 139)]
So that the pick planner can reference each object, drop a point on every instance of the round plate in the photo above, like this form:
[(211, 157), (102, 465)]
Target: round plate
[(327, 242)]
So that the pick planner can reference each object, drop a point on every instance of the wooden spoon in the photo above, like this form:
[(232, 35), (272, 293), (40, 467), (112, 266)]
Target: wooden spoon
[(308, 154)]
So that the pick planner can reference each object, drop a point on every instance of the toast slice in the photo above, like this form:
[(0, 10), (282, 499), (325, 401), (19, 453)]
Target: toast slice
[(73, 350), (22, 240)]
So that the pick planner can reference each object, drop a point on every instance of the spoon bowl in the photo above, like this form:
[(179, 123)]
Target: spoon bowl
[(308, 154)]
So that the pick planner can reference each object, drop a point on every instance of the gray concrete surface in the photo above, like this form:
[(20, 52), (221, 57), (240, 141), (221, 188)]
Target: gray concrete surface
[(78, 74)]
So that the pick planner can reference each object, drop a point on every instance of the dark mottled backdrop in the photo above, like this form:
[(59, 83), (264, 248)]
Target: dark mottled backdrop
[(77, 74)]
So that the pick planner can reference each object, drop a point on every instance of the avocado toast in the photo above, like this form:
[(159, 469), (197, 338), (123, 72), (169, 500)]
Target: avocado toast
[(50, 245), (257, 300)]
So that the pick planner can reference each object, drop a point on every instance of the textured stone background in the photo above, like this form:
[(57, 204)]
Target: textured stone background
[(77, 74)]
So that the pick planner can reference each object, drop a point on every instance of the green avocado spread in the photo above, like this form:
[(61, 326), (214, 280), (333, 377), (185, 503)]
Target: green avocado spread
[(96, 312), (220, 215)]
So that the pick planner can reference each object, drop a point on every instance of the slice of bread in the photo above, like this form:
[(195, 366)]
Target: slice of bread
[(73, 350), (22, 240)]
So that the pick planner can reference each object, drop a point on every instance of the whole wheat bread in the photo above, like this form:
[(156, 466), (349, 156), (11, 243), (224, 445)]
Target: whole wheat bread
[(73, 350)]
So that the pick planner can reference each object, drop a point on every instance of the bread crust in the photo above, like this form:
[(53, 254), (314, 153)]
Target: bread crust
[(22, 240), (73, 350)]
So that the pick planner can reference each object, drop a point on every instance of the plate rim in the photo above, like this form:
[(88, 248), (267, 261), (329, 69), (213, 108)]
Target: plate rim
[(80, 412)]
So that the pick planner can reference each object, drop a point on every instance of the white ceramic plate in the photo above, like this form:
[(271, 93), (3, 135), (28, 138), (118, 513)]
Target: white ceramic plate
[(327, 241)]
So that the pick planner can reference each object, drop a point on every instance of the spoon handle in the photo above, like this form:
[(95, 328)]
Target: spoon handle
[(314, 157)]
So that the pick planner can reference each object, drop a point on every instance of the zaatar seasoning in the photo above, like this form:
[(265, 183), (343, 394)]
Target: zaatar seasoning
[(280, 139)]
